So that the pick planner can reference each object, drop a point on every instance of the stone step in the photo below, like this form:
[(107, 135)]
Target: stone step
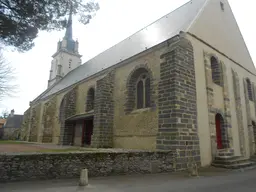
[(242, 165), (230, 161), (227, 157)]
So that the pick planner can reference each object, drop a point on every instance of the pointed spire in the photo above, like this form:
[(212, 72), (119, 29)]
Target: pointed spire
[(68, 34)]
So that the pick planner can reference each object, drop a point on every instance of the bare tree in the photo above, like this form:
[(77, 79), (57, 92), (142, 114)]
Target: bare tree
[(7, 86), (4, 114)]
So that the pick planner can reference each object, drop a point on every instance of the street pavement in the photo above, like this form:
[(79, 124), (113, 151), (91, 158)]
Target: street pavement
[(179, 182)]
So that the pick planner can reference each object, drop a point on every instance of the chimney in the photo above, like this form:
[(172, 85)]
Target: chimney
[(12, 112)]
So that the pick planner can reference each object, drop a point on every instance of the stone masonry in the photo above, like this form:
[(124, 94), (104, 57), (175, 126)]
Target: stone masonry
[(27, 167), (34, 123), (254, 127), (177, 103), (67, 109), (227, 129), (239, 113), (225, 112), (104, 112), (24, 131), (248, 115), (48, 120)]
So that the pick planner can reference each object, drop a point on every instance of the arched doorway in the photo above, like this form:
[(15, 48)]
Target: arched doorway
[(219, 122)]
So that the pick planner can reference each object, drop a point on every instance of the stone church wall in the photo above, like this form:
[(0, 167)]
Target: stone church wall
[(24, 131), (82, 90), (177, 114), (35, 123), (136, 129), (239, 113), (48, 118), (104, 112), (67, 109)]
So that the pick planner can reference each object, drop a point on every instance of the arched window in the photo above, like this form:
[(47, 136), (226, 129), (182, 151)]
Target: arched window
[(139, 90), (143, 91), (90, 99), (216, 71), (249, 89)]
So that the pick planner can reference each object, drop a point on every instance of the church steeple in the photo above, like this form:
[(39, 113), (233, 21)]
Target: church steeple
[(67, 57), (68, 34)]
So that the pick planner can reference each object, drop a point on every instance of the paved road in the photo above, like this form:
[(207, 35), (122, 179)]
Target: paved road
[(227, 182)]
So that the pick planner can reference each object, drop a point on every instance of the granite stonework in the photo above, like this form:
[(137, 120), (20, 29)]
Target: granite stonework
[(67, 109), (49, 113), (177, 114), (227, 137), (249, 119), (24, 131), (239, 113), (254, 126), (226, 132), (28, 167), (103, 121), (34, 123)]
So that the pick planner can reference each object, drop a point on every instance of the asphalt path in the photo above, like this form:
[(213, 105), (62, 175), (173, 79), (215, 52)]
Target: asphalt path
[(227, 182)]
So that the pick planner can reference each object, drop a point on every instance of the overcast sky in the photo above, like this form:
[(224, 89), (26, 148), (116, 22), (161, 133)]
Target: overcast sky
[(116, 20)]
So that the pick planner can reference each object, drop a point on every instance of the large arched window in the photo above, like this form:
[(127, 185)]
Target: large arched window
[(249, 89), (90, 99), (139, 90), (143, 91), (216, 71)]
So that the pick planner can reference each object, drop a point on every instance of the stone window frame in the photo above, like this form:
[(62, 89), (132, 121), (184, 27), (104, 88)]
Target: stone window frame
[(143, 78), (216, 78), (224, 128), (90, 105), (131, 87), (249, 89)]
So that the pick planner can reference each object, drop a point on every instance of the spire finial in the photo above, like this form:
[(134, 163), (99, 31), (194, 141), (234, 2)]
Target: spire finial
[(68, 34)]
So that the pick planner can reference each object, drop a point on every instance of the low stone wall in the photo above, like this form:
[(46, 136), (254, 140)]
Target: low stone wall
[(24, 167)]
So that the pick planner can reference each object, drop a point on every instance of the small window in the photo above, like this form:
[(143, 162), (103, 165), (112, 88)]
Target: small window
[(216, 71)]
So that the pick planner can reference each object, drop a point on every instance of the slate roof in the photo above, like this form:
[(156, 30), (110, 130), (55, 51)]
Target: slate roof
[(14, 121), (165, 28)]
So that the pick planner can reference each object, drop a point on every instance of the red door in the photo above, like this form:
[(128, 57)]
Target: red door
[(218, 132)]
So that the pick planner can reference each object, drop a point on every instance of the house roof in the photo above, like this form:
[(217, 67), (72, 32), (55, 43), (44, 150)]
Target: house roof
[(14, 121), (163, 29)]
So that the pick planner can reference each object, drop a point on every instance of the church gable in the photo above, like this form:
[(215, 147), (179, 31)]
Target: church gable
[(216, 25)]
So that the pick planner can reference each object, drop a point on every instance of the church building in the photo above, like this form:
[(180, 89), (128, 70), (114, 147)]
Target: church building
[(186, 81)]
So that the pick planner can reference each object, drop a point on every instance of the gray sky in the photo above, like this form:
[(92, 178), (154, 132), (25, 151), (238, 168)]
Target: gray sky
[(116, 20)]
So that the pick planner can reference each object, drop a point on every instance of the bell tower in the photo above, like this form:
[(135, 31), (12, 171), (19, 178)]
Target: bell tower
[(67, 57)]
